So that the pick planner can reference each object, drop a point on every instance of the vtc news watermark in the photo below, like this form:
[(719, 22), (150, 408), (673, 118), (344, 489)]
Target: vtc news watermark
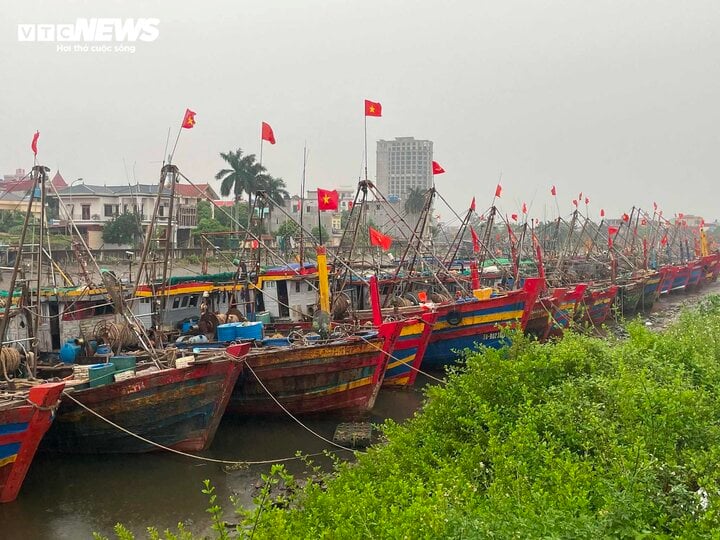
[(96, 35)]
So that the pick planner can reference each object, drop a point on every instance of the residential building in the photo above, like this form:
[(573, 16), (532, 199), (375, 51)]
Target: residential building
[(91, 206), (404, 164)]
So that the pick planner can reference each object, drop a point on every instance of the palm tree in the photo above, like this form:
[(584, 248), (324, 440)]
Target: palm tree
[(245, 175), (415, 200), (275, 191)]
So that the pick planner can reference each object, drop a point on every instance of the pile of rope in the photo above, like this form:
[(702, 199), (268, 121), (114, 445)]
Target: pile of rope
[(10, 360), (116, 335)]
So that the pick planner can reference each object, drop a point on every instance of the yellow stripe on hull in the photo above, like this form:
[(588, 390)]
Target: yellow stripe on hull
[(404, 362), (7, 460), (508, 316)]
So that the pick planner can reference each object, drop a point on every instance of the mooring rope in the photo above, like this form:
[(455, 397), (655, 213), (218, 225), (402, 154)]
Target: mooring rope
[(389, 355), (194, 456)]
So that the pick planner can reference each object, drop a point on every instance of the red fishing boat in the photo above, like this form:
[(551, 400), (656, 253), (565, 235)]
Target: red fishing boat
[(24, 419), (342, 376), (179, 408), (564, 311), (596, 304), (541, 318)]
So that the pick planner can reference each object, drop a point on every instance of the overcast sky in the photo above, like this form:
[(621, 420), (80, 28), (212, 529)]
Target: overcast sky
[(617, 99)]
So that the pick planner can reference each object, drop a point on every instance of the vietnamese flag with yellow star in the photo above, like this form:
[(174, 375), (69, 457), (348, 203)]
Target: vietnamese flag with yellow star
[(372, 108), (189, 119), (327, 199)]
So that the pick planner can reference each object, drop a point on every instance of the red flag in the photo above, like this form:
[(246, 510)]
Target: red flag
[(664, 240), (625, 217), (498, 190), (654, 206), (602, 212), (379, 239), (475, 240), (372, 108), (553, 191), (524, 208), (587, 201), (327, 199), (575, 202), (189, 119), (437, 169), (267, 133), (34, 142), (611, 232), (472, 204), (643, 221), (681, 215), (514, 217), (351, 204)]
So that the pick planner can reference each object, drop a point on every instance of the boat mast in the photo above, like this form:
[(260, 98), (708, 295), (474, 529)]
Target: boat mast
[(37, 171)]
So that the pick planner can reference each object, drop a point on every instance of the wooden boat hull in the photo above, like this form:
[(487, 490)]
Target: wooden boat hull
[(543, 314), (343, 376), (179, 408), (681, 278), (470, 322), (696, 275), (628, 295), (596, 305), (409, 351), (22, 427), (667, 274), (651, 290), (564, 311)]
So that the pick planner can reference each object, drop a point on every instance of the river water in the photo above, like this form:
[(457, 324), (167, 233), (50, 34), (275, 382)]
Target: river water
[(72, 496)]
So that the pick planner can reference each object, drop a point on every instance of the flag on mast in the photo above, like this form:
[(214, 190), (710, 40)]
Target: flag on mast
[(437, 168), (33, 145), (379, 239), (267, 133), (327, 199), (189, 119), (372, 108)]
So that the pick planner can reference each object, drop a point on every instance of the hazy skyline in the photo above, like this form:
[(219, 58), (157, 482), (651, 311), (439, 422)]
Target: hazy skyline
[(612, 98)]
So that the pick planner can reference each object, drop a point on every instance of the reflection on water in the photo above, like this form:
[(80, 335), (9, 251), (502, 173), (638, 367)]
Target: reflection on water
[(70, 496)]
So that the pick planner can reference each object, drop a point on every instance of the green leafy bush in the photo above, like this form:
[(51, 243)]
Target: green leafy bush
[(580, 438)]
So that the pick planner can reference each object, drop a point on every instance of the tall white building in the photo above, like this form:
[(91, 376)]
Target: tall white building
[(403, 164)]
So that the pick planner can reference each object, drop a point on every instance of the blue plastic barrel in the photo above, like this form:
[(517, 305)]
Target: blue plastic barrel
[(69, 352)]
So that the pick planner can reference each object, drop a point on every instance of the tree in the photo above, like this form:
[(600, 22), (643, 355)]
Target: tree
[(415, 201), (204, 210), (122, 229), (288, 228), (244, 175), (316, 233), (209, 225), (275, 191)]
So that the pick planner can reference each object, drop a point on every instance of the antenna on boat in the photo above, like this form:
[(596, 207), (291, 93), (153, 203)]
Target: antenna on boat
[(302, 205)]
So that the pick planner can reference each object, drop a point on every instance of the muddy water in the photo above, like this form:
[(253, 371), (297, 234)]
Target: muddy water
[(69, 497)]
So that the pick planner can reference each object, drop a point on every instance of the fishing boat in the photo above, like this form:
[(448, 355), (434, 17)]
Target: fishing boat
[(596, 304), (564, 310), (651, 289), (468, 322), (24, 419), (629, 293), (341, 375), (541, 318), (177, 407), (409, 351), (681, 277)]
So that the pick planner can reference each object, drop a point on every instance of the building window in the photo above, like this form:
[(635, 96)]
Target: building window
[(161, 211), (86, 211), (109, 210)]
